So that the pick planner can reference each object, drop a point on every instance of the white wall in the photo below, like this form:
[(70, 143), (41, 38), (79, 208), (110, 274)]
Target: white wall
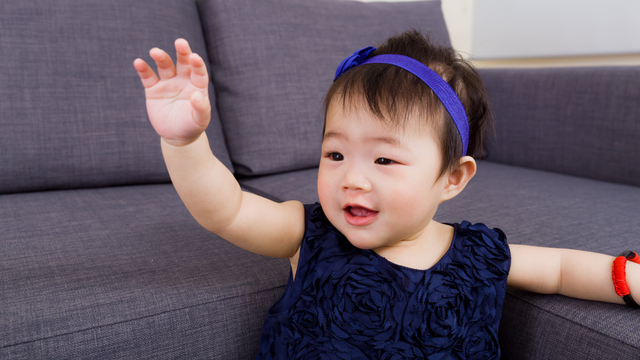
[(548, 28), (458, 14)]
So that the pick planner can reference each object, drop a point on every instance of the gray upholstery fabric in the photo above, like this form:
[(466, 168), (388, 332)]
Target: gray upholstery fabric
[(273, 61), (577, 121), (535, 327), (298, 185), (125, 272), (544, 209), (72, 108)]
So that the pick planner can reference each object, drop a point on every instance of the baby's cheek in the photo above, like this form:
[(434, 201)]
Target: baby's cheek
[(402, 196), (324, 189), (406, 203), (328, 201)]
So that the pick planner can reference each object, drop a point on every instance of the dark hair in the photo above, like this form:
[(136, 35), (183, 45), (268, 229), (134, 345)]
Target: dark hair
[(393, 94)]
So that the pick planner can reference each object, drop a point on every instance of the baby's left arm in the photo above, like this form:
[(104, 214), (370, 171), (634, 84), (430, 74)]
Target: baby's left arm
[(575, 273)]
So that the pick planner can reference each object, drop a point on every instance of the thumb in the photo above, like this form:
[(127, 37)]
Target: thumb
[(201, 108)]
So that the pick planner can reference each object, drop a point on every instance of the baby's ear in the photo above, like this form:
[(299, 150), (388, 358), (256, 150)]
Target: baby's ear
[(458, 179)]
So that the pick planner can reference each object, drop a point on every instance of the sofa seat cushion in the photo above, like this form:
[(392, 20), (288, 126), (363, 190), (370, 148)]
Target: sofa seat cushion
[(298, 185), (544, 209), (125, 272), (273, 61)]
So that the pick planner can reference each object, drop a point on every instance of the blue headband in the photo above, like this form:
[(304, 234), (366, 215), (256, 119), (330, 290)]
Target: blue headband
[(443, 91)]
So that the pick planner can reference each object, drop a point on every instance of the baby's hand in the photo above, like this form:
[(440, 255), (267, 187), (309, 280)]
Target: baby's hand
[(177, 102)]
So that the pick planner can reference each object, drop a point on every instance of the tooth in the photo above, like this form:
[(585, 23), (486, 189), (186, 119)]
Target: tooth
[(359, 211)]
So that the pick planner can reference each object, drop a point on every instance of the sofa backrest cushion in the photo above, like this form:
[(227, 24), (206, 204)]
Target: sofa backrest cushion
[(272, 62), (577, 121), (72, 108)]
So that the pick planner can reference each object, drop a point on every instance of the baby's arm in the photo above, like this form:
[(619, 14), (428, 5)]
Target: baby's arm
[(579, 274), (179, 110)]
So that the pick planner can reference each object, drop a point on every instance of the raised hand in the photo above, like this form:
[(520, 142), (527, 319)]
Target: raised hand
[(178, 100)]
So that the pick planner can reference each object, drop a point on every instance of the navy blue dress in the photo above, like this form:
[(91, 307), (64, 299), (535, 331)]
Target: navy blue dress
[(349, 303)]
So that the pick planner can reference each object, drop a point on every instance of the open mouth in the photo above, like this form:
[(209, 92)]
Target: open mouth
[(358, 215)]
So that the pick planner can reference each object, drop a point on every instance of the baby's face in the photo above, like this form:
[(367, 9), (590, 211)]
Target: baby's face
[(378, 186)]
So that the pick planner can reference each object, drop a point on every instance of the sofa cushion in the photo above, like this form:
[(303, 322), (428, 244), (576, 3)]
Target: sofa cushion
[(125, 272), (273, 60), (72, 108), (576, 121), (543, 209), (298, 185)]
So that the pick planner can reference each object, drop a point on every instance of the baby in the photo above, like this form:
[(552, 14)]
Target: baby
[(373, 276)]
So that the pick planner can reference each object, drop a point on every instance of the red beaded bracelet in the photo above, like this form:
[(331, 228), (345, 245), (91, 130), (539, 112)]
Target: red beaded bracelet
[(619, 274)]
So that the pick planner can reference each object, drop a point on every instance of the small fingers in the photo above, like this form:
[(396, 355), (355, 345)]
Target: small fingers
[(147, 75), (199, 74), (166, 69), (183, 50)]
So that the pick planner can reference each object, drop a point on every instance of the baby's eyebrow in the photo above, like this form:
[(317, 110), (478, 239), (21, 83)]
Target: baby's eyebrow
[(332, 134), (388, 140), (391, 140)]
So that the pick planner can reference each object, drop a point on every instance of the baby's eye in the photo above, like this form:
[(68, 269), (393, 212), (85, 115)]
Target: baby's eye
[(384, 161), (335, 156)]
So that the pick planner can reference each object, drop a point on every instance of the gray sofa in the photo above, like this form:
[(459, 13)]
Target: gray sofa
[(100, 259)]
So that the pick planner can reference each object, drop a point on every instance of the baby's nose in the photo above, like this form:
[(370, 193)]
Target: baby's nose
[(355, 180)]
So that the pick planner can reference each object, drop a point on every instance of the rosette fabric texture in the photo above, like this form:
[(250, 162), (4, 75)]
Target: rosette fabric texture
[(349, 303)]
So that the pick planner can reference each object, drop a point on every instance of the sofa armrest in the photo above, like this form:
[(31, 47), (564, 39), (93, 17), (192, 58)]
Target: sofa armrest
[(577, 121)]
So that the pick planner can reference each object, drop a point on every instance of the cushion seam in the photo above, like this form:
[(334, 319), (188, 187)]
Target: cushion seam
[(261, 193)]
